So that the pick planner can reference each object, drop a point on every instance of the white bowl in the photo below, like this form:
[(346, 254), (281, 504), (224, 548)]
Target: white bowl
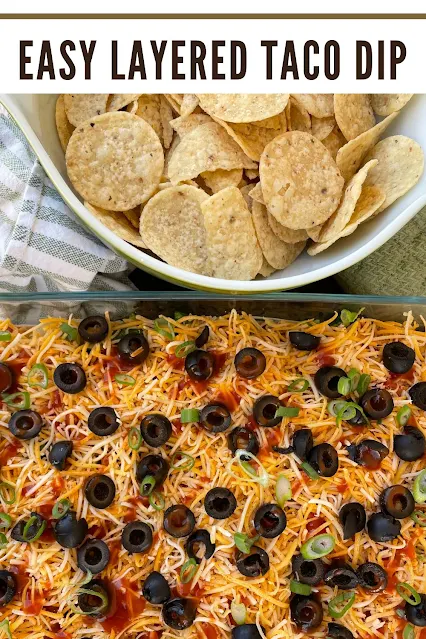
[(35, 114)]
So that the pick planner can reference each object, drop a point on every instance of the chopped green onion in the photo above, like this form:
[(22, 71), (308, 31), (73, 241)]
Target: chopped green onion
[(403, 415), (419, 487), (408, 632), (408, 593), (182, 350), (298, 385), (163, 326), (179, 457), (318, 546), (27, 527), (243, 542), (124, 380), (61, 508), (5, 520), (4, 626), (188, 571), (335, 406), (5, 336), (283, 490), (5, 488), (340, 605), (189, 415), (87, 579), (400, 612), (348, 317), (287, 411), (260, 476), (70, 332), (344, 385), (311, 472), (156, 500), (38, 376), (363, 384), (147, 485), (419, 518), (94, 593), (299, 588), (238, 612), (3, 540), (178, 315), (134, 438), (354, 375), (20, 401), (348, 411)]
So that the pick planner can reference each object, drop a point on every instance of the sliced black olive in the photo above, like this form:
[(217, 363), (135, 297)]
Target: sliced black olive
[(357, 420), (411, 445), (8, 587), (59, 453), (383, 528), (270, 521), (131, 343), (264, 410), (302, 443), (324, 459), (152, 466), (398, 358), (306, 612), (308, 571), (17, 532), (343, 577), (377, 403), (304, 341), (156, 430), (417, 614), (397, 501), (203, 337), (372, 577), (242, 438), (136, 537), (156, 590), (353, 518), (220, 503), (69, 531), (337, 631), (215, 418), (247, 631), (93, 556), (254, 563), (326, 379), (179, 521), (418, 395), (6, 377), (70, 378), (250, 363), (91, 604), (199, 546), (368, 453), (199, 365), (25, 424), (103, 421), (93, 329), (179, 614), (100, 491)]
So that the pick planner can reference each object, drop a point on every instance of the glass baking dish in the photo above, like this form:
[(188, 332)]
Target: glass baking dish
[(28, 308)]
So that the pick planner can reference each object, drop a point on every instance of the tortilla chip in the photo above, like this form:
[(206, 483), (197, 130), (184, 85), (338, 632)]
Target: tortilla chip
[(387, 103), (349, 158), (301, 183), (207, 148), (64, 128), (220, 179), (133, 215), (274, 122), (188, 105), (369, 202), (298, 118), (182, 126), (315, 232), (115, 161), (322, 127), (166, 116), (285, 234), (251, 174), (277, 253), (173, 103), (228, 221), (266, 269), (334, 141), (118, 224), (80, 108), (400, 165), (354, 114), (243, 107), (172, 226), (148, 108), (256, 193), (119, 100), (250, 138), (320, 105), (319, 247)]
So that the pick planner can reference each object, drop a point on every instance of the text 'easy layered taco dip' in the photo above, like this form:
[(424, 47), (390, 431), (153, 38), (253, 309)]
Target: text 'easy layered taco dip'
[(213, 477)]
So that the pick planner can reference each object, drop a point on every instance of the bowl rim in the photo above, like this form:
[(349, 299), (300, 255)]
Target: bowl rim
[(176, 275)]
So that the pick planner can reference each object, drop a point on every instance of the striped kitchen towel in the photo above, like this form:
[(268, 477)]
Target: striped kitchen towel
[(43, 246)]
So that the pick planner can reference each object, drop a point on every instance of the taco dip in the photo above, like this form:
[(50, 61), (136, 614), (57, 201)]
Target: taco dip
[(213, 476)]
